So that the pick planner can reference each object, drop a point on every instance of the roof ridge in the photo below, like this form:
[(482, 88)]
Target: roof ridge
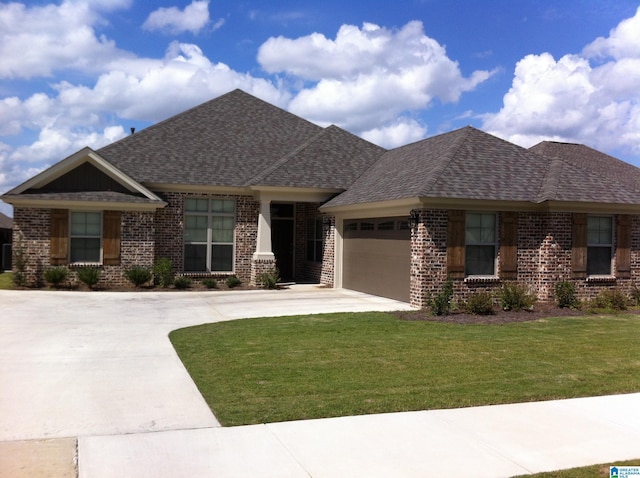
[(284, 159), (551, 181), (441, 167)]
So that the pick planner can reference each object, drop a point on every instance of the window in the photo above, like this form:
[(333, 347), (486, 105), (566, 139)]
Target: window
[(314, 240), (85, 237), (599, 245), (480, 244), (209, 226)]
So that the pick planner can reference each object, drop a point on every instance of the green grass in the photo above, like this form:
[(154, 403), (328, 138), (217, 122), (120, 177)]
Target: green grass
[(290, 368), (595, 471), (6, 280)]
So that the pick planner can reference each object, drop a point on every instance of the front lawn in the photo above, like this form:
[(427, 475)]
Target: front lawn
[(312, 366), (6, 280), (595, 471)]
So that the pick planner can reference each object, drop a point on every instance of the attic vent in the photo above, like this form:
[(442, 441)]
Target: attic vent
[(133, 130)]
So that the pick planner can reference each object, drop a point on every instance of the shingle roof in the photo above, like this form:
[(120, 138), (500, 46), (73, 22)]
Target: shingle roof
[(238, 140), (470, 164), (590, 159), (5, 221), (332, 159)]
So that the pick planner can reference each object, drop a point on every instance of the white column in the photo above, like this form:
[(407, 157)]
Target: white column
[(263, 242)]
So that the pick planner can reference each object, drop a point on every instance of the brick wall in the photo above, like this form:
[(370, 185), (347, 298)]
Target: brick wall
[(32, 229), (170, 223), (544, 258), (321, 272)]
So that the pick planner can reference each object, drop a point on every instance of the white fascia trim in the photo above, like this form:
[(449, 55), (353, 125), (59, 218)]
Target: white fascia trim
[(84, 155), (198, 189), (397, 207), (25, 201), (291, 194), (119, 176)]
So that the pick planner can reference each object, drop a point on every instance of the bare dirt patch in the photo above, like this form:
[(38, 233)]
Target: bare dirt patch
[(38, 458)]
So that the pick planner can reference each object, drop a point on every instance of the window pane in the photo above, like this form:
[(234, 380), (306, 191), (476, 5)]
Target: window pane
[(195, 257), (195, 228), (196, 205), (598, 260), (85, 249), (318, 227), (226, 206), (222, 258), (480, 260), (222, 230), (86, 223), (599, 230)]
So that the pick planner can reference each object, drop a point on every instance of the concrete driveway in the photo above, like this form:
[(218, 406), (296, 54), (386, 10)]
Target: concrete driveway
[(90, 386)]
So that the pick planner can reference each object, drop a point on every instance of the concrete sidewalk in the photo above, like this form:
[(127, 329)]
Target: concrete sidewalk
[(496, 441), (97, 371)]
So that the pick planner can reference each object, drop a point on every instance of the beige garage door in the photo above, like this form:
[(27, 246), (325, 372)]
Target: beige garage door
[(377, 255)]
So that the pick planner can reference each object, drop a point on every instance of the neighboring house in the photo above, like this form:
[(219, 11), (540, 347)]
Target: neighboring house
[(6, 226), (236, 186)]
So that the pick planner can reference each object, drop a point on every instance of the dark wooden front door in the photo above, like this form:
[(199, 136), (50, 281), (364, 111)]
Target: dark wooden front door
[(282, 234)]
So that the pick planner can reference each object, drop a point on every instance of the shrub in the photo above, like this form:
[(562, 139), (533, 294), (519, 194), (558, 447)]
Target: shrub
[(182, 282), (233, 281), (89, 276), (19, 264), (480, 303), (610, 299), (441, 303), (56, 276), (635, 295), (514, 296), (269, 280), (163, 272), (210, 283), (138, 275), (566, 295)]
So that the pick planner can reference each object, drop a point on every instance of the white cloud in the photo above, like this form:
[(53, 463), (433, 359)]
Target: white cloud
[(192, 19), (36, 41), (623, 41), (367, 76), (398, 133), (590, 98), (78, 115)]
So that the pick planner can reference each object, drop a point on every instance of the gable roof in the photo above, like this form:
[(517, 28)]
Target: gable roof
[(470, 164), (83, 177), (237, 140)]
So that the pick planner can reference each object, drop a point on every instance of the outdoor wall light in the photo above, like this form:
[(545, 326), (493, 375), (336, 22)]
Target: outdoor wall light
[(326, 223), (413, 219)]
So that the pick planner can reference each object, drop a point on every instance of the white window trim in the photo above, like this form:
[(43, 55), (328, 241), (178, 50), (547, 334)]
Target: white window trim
[(72, 236), (610, 245), (209, 243), (483, 277)]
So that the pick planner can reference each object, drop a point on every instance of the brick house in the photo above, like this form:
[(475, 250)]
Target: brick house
[(238, 186)]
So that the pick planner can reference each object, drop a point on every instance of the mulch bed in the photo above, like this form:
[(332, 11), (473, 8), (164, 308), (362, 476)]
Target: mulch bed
[(540, 311)]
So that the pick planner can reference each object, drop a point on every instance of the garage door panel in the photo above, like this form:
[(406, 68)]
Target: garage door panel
[(378, 266)]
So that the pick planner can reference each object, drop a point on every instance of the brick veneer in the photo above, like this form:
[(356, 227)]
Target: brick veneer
[(32, 229), (544, 258), (322, 271), (170, 223)]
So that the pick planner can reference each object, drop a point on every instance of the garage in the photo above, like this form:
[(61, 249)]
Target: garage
[(377, 256)]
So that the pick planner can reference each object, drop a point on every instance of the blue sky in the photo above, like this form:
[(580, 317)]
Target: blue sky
[(81, 73)]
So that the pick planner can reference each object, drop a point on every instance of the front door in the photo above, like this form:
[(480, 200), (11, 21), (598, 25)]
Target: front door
[(282, 234)]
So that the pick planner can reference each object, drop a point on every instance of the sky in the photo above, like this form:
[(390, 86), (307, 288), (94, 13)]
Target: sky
[(81, 73)]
